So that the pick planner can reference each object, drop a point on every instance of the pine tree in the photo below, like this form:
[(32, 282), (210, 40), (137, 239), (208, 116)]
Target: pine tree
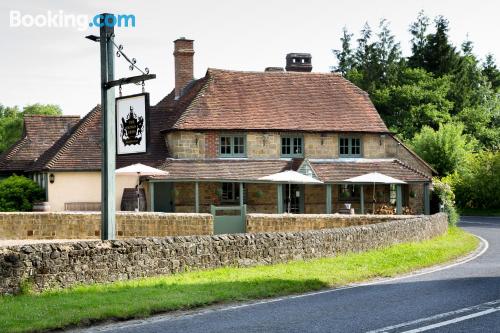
[(491, 72), (345, 55), (418, 30), (440, 56)]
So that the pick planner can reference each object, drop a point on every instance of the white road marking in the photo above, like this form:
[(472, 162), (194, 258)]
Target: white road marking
[(484, 309), (452, 321), (168, 317)]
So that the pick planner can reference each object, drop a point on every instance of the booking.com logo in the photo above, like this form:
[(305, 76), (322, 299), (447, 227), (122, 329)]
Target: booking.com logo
[(59, 19)]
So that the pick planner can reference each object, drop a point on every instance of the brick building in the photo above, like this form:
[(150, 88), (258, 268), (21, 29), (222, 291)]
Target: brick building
[(217, 135)]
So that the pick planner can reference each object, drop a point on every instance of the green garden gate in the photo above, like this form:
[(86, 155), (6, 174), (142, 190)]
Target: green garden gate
[(229, 219)]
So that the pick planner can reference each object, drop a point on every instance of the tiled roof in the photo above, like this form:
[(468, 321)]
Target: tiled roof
[(276, 101), (338, 170), (80, 149), (39, 134), (222, 169)]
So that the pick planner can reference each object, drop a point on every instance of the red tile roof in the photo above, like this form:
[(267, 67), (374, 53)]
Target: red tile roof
[(222, 169), (337, 170), (80, 149), (39, 134), (238, 100)]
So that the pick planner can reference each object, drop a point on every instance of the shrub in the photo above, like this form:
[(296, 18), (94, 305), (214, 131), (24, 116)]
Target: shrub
[(476, 183), (18, 193), (445, 149), (447, 197)]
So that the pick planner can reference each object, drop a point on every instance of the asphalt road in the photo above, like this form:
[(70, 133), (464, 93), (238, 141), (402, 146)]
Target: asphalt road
[(463, 298)]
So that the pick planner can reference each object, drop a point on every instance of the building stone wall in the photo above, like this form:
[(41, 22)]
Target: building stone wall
[(260, 198), (65, 264), (315, 199), (325, 145), (185, 144), (41, 225), (394, 149)]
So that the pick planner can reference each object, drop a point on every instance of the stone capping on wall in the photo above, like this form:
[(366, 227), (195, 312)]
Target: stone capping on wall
[(302, 222), (65, 264), (87, 225)]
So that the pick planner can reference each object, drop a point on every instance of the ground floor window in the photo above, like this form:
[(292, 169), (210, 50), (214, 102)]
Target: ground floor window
[(230, 193), (349, 192)]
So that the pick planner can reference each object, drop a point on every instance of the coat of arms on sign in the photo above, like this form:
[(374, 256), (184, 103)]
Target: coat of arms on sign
[(132, 128)]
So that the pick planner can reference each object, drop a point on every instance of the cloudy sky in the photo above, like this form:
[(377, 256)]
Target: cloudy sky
[(57, 65)]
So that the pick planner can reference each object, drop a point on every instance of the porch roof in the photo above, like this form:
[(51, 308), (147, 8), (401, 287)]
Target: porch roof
[(221, 169), (337, 170), (326, 170)]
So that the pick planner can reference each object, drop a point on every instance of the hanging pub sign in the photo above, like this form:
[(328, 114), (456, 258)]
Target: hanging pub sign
[(132, 124)]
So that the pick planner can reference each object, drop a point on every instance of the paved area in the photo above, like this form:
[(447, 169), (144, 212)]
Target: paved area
[(463, 298)]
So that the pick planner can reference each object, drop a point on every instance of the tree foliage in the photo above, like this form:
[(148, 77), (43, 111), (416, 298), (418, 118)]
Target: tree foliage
[(445, 149), (436, 84), (18, 193), (476, 182)]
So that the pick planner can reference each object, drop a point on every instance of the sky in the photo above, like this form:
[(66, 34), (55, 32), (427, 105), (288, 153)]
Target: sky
[(58, 65)]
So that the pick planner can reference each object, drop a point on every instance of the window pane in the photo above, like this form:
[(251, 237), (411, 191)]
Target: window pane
[(355, 146), (239, 145), (344, 146), (225, 145), (285, 146), (297, 145)]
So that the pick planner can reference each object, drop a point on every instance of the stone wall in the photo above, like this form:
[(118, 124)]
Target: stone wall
[(66, 264), (87, 225), (302, 222)]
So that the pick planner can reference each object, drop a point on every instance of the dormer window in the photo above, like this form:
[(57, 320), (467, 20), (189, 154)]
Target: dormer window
[(350, 146), (232, 145)]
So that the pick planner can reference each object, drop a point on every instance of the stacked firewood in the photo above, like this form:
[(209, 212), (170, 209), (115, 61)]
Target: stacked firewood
[(385, 210)]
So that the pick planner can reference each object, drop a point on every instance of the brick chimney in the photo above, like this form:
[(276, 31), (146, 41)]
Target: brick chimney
[(298, 62), (183, 54)]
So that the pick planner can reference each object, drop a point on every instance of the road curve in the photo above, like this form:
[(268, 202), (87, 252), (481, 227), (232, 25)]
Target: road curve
[(463, 298)]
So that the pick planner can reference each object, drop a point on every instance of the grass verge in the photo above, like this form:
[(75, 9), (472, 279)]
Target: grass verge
[(139, 298)]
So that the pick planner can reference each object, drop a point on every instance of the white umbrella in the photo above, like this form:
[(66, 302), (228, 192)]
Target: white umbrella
[(291, 177), (375, 178), (140, 170)]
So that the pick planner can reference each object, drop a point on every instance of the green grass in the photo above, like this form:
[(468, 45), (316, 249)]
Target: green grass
[(480, 211), (139, 298)]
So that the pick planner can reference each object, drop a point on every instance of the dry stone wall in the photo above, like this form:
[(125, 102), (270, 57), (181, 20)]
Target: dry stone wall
[(65, 264)]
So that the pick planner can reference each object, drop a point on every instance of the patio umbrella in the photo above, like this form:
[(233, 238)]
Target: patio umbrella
[(140, 170), (291, 177), (375, 178)]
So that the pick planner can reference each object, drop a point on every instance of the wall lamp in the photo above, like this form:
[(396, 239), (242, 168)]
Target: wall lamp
[(52, 178)]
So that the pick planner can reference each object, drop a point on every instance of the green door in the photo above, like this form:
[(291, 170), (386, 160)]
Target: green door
[(229, 219), (164, 199)]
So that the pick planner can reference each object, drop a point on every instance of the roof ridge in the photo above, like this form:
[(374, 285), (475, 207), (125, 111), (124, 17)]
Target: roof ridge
[(411, 168), (68, 138), (195, 100), (215, 70)]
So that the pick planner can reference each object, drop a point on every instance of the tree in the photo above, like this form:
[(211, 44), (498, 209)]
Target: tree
[(418, 30), (444, 149), (476, 183), (18, 193), (491, 72), (344, 55), (439, 55), (415, 99), (42, 109)]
